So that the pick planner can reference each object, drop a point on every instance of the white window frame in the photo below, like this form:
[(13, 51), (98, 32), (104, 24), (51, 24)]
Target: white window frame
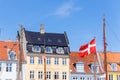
[(110, 77), (31, 60), (56, 76), (40, 61), (12, 55), (75, 78), (80, 67), (56, 62), (8, 67), (60, 50), (113, 66), (40, 74), (48, 60), (97, 68), (64, 76), (31, 74), (36, 48), (49, 49), (63, 61), (92, 68), (48, 75), (118, 77)]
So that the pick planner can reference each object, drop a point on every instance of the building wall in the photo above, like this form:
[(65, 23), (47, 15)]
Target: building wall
[(114, 75), (85, 76), (13, 74), (8, 75), (51, 67)]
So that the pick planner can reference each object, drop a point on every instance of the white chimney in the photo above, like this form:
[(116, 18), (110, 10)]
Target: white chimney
[(42, 28)]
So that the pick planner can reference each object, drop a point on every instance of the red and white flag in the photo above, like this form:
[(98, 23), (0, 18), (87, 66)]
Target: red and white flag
[(89, 48)]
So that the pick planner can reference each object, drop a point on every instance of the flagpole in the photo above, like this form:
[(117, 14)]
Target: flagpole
[(105, 54)]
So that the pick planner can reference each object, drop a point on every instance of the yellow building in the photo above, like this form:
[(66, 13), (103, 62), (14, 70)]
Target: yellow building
[(55, 45), (113, 65)]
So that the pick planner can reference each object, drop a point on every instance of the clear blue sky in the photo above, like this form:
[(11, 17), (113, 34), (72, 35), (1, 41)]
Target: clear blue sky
[(81, 19)]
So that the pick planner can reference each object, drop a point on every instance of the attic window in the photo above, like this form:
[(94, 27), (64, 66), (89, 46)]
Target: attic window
[(60, 50), (113, 66), (49, 49), (12, 55), (36, 48), (94, 67), (80, 67)]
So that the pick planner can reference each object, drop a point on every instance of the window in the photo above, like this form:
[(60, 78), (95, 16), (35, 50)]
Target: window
[(114, 66), (48, 61), (48, 75), (64, 61), (64, 76), (31, 74), (60, 50), (40, 61), (97, 68), (11, 54), (89, 78), (56, 61), (75, 78), (66, 49), (36, 49), (0, 66), (40, 75), (80, 67), (118, 77), (8, 67), (49, 50), (31, 60), (56, 77), (92, 68), (110, 77), (82, 78)]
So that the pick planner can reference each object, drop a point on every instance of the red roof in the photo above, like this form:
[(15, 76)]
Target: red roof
[(87, 60), (112, 57), (9, 45)]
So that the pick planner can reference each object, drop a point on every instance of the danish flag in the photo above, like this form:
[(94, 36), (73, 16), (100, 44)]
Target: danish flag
[(89, 48)]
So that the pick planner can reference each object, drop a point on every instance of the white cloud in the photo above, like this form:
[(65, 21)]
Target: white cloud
[(66, 9)]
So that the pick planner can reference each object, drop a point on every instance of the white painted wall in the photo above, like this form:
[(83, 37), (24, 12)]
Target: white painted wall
[(13, 74)]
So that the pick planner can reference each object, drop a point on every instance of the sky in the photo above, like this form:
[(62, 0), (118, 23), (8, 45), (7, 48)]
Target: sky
[(82, 20)]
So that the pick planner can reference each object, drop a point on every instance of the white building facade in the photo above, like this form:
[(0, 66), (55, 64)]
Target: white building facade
[(9, 60)]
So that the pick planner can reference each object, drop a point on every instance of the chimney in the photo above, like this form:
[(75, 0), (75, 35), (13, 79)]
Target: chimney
[(42, 28)]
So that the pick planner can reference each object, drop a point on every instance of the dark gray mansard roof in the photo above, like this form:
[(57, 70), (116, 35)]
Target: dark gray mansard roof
[(49, 39)]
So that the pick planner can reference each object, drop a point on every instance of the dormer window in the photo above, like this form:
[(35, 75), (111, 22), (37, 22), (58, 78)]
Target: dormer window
[(114, 66), (36, 49), (80, 67), (12, 55), (94, 67), (66, 49), (60, 50), (49, 50)]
